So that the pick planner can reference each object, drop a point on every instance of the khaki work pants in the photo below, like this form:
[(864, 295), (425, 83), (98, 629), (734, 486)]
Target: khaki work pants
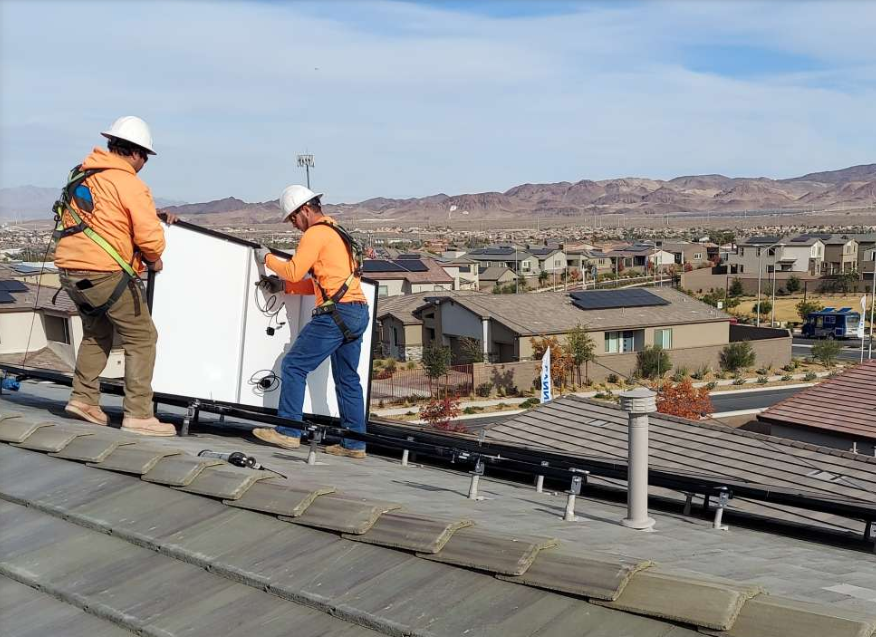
[(129, 318)]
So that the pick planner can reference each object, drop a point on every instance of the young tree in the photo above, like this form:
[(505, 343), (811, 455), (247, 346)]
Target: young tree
[(804, 308), (763, 307), (436, 361), (559, 361), (736, 356), (440, 413), (793, 284), (580, 348), (470, 350), (653, 362), (736, 288), (826, 352), (542, 278), (684, 400)]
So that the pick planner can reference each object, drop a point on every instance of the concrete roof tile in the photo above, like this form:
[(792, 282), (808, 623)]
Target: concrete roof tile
[(52, 439), (280, 499), (493, 552), (586, 574), (138, 458), (343, 514), (225, 482), (681, 598), (411, 531), (90, 448), (14, 429), (179, 471)]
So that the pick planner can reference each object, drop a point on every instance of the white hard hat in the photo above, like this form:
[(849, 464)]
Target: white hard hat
[(131, 129), (294, 197)]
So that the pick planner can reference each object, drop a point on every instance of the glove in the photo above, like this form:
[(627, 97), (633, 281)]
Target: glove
[(261, 254), (272, 284)]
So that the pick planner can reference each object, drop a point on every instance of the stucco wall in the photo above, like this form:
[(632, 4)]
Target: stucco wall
[(15, 327)]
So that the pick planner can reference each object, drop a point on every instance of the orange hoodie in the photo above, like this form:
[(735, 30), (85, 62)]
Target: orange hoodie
[(124, 214), (323, 250)]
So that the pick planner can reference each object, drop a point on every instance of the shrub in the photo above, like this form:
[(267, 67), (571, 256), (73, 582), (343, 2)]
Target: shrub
[(789, 367), (804, 308), (439, 413), (529, 403), (484, 389), (762, 380), (470, 350), (762, 308), (738, 380), (711, 385), (684, 400), (736, 288), (653, 362), (793, 284), (472, 410), (787, 377), (680, 374), (826, 352), (613, 378), (763, 371), (736, 356)]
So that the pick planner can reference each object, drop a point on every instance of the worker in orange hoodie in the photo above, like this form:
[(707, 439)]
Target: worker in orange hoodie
[(326, 253), (107, 230)]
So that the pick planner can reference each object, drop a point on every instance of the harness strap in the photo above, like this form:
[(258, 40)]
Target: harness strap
[(124, 283)]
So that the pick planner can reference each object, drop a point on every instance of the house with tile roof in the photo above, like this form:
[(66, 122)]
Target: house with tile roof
[(400, 276), (839, 412)]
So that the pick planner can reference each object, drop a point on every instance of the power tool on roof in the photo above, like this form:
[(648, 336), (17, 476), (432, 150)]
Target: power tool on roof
[(238, 459)]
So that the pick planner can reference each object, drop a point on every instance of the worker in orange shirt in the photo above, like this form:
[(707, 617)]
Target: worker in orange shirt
[(107, 229), (333, 260)]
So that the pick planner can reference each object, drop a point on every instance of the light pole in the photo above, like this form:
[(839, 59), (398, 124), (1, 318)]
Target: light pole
[(306, 162)]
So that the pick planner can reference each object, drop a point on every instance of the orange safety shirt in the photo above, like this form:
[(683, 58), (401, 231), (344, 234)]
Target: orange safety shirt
[(124, 215), (321, 249)]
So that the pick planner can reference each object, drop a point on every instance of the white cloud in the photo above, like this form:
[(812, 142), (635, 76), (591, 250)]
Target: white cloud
[(407, 100)]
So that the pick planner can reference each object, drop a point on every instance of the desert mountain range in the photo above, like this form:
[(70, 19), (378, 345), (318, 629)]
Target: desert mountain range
[(853, 187)]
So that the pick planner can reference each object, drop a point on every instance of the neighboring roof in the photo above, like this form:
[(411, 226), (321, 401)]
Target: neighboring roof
[(754, 241), (404, 307), (192, 548), (554, 312), (844, 404), (434, 273), (493, 273), (43, 358), (499, 253), (805, 240), (40, 297), (582, 427), (543, 253), (838, 240)]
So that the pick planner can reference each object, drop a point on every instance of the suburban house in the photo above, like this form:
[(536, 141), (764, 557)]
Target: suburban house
[(407, 276), (839, 412), (804, 253), (463, 270), (587, 258), (620, 322), (840, 255), (697, 254), (550, 260), (866, 255), (512, 257), (640, 256), (493, 275), (40, 327)]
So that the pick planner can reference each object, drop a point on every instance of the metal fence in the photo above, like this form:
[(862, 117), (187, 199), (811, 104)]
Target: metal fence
[(414, 383)]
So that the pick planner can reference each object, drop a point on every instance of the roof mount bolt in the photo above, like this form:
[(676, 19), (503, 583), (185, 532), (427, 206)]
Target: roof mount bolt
[(314, 441), (572, 494), (475, 478), (688, 503), (638, 403), (723, 498), (404, 461), (539, 484)]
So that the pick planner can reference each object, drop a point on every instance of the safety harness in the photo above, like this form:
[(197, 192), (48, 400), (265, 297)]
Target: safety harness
[(330, 303), (68, 222)]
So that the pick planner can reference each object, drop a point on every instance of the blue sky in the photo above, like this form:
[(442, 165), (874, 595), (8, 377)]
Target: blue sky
[(403, 99)]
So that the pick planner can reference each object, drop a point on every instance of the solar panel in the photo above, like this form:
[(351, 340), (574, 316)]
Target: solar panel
[(844, 309), (412, 265), (409, 256), (381, 265), (612, 299), (828, 309), (5, 297), (7, 285)]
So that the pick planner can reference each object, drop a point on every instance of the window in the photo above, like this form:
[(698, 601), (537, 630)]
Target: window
[(57, 329), (741, 252), (465, 268), (382, 290), (618, 342), (663, 338), (698, 256)]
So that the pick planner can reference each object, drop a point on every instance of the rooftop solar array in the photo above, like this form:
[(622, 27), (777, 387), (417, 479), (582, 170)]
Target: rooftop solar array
[(614, 299), (7, 285), (5, 297), (399, 265)]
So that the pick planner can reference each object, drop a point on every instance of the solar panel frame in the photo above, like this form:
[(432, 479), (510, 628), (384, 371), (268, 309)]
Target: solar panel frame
[(11, 285), (381, 265), (412, 265), (615, 299)]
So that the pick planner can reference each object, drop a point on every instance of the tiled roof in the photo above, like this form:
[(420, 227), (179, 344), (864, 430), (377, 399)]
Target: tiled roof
[(404, 307), (434, 274), (493, 273), (754, 241), (581, 427), (553, 312), (41, 359), (844, 404), (154, 540), (43, 298)]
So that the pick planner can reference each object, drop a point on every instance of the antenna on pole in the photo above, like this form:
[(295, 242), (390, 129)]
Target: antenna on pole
[(306, 162)]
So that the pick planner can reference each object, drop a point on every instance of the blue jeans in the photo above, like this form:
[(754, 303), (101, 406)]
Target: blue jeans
[(319, 339)]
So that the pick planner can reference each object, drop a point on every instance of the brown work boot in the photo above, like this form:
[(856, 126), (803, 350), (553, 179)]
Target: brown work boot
[(273, 437), (90, 413), (148, 427), (339, 450)]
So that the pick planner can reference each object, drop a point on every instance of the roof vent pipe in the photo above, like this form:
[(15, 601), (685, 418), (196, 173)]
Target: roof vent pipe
[(638, 403)]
